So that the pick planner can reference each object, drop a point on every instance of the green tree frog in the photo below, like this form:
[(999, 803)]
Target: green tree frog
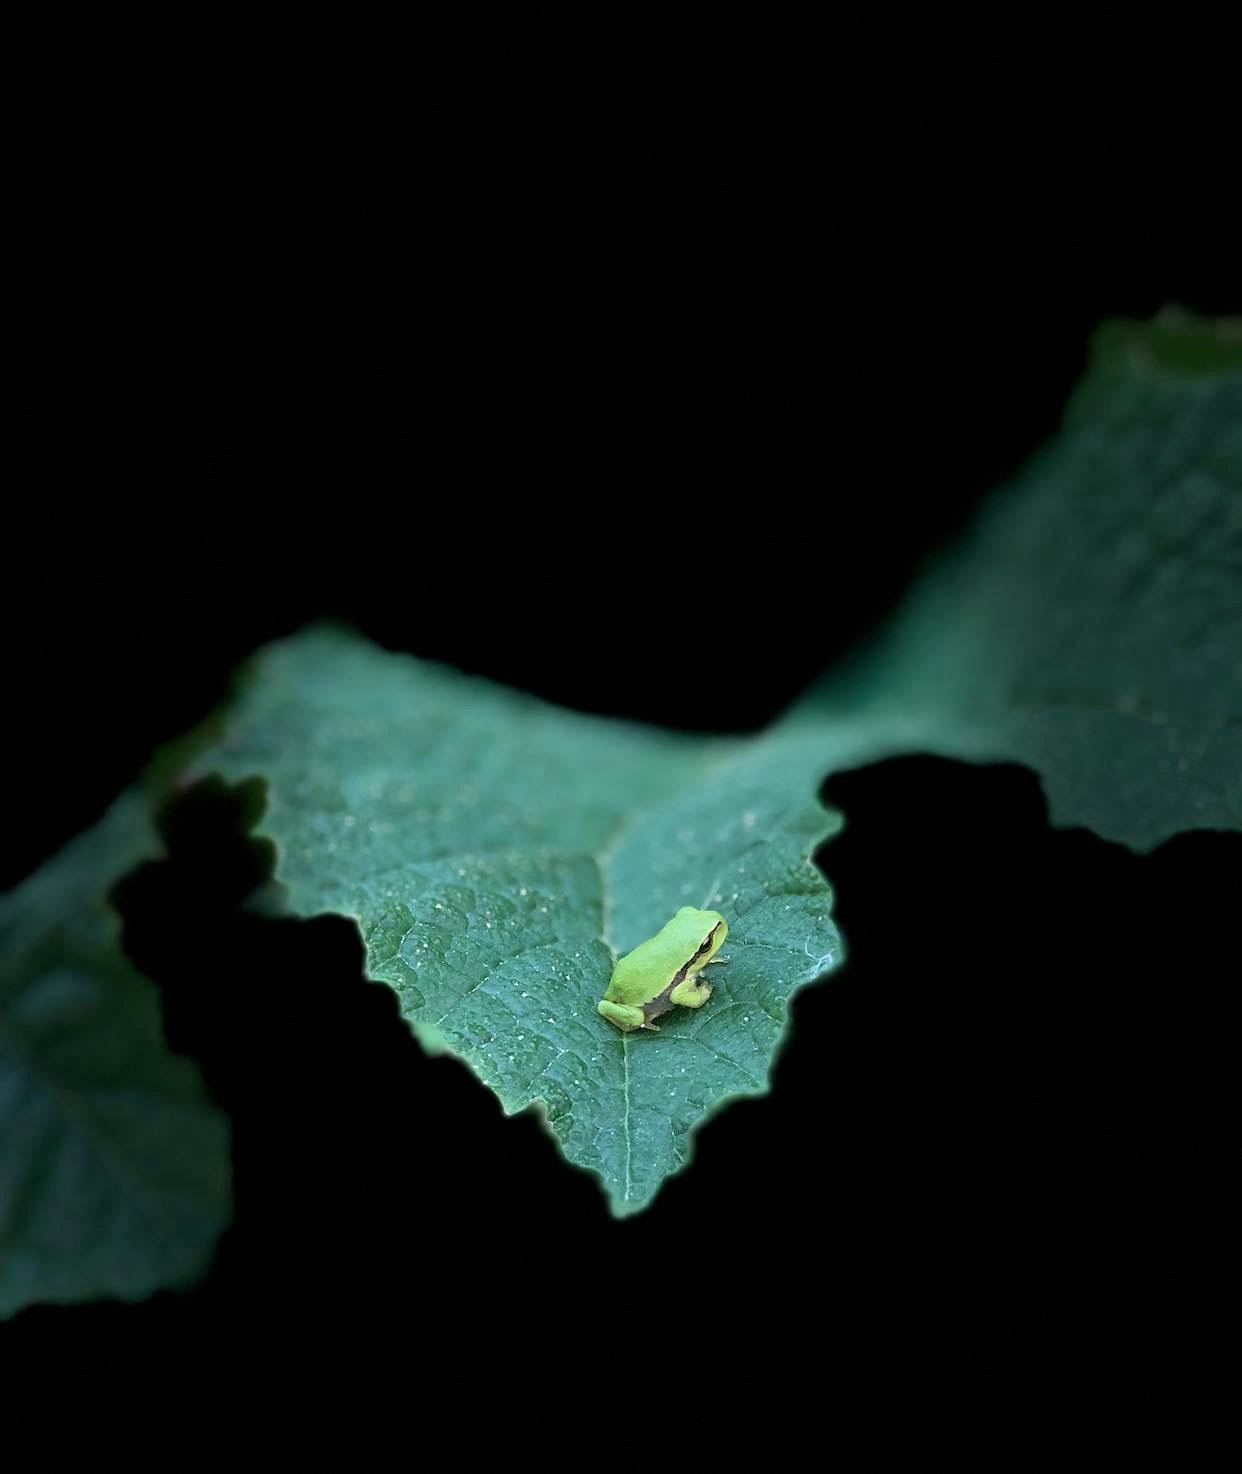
[(665, 970)]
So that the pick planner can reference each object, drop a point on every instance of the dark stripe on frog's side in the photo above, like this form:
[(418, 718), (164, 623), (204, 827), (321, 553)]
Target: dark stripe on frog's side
[(661, 1003)]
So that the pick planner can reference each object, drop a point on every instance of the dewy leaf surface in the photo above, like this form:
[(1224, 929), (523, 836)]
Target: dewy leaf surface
[(497, 853), (114, 1168), (1091, 623)]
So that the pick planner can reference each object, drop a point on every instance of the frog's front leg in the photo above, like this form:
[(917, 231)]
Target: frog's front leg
[(713, 961), (692, 992)]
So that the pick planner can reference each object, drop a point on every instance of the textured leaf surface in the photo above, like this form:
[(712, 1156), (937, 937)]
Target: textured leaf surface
[(497, 853), (1091, 624), (114, 1170)]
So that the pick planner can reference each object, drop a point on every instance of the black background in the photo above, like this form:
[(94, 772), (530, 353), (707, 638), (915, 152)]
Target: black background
[(656, 425)]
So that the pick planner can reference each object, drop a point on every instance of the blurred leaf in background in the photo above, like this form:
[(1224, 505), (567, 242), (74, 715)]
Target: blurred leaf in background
[(114, 1166)]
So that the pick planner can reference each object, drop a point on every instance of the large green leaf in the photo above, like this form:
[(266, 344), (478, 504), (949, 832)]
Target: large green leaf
[(1090, 625), (114, 1170), (498, 853)]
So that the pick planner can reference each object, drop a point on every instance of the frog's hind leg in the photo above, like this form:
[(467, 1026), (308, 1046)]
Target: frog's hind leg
[(621, 1014)]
